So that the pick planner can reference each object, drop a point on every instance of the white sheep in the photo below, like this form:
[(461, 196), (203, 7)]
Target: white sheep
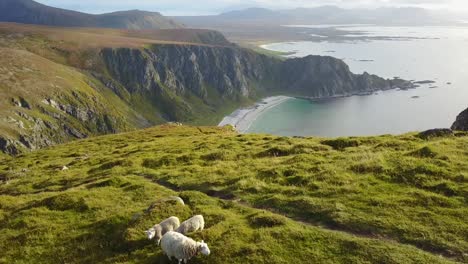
[(158, 231), (175, 198), (181, 247), (191, 225)]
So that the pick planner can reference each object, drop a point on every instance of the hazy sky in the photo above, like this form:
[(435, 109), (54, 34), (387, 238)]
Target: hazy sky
[(192, 7)]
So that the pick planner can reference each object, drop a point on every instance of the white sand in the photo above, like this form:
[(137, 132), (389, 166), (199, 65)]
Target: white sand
[(243, 118)]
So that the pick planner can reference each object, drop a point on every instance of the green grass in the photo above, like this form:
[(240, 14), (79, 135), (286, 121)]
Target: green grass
[(40, 63), (266, 199), (33, 79)]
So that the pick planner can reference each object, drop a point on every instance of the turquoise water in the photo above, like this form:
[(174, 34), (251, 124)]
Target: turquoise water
[(443, 58)]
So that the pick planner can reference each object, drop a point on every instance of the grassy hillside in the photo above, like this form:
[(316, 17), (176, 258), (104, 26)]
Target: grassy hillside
[(41, 98), (266, 199), (55, 87), (76, 39)]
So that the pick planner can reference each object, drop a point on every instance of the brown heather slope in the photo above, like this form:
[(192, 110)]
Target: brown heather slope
[(116, 38)]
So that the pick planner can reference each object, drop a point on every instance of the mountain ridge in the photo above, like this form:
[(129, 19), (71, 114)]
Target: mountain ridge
[(31, 12), (323, 15)]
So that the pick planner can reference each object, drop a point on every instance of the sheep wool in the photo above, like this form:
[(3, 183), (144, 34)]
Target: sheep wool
[(158, 231), (181, 247), (177, 199), (191, 225)]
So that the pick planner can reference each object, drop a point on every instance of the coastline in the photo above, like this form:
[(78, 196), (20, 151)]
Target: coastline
[(242, 118)]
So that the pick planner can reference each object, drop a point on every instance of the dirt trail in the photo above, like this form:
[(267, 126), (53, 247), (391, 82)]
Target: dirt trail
[(306, 222)]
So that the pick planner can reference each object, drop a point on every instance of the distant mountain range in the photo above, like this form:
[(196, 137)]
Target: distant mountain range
[(31, 12), (324, 15)]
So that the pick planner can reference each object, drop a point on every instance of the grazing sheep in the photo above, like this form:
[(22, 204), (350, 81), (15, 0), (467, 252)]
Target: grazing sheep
[(158, 231), (191, 225), (175, 198), (181, 247)]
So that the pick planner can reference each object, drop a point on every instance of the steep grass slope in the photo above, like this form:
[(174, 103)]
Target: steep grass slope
[(45, 103), (50, 90), (266, 199)]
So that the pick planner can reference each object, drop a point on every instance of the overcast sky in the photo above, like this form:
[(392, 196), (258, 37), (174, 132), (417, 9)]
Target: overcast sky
[(193, 7)]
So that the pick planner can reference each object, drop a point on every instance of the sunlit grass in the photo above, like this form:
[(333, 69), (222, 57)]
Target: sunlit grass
[(388, 199)]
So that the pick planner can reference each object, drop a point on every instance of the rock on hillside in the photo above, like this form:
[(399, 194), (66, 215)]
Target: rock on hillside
[(462, 121)]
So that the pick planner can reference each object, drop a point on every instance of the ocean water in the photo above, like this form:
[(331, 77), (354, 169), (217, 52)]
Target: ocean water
[(439, 54)]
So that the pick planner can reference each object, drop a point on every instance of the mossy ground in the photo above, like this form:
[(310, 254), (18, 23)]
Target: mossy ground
[(266, 199)]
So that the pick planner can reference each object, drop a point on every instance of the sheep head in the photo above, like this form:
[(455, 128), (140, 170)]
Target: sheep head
[(150, 233), (203, 248)]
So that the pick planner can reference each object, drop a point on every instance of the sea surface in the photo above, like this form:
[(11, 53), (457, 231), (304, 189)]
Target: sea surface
[(439, 54)]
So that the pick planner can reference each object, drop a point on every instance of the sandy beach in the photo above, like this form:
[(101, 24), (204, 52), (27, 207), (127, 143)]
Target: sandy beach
[(243, 118)]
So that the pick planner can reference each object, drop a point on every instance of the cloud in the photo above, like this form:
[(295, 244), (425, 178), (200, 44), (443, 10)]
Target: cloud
[(171, 7)]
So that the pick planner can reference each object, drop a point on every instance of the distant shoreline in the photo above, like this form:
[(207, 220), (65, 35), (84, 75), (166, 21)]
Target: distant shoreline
[(242, 118)]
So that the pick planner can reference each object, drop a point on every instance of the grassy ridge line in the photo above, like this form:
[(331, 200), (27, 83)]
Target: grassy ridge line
[(85, 38), (98, 197)]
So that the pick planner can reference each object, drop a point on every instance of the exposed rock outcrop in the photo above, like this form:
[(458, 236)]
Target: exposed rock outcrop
[(462, 121), (8, 146), (435, 133), (230, 73)]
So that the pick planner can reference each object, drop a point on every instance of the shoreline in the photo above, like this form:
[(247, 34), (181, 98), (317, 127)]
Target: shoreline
[(242, 118)]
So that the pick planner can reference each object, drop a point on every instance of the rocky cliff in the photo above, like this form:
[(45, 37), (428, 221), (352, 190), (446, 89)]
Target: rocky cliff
[(462, 121), (175, 74)]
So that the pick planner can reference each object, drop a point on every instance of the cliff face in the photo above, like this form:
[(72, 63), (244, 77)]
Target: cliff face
[(232, 73), (319, 76), (189, 69), (462, 121)]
